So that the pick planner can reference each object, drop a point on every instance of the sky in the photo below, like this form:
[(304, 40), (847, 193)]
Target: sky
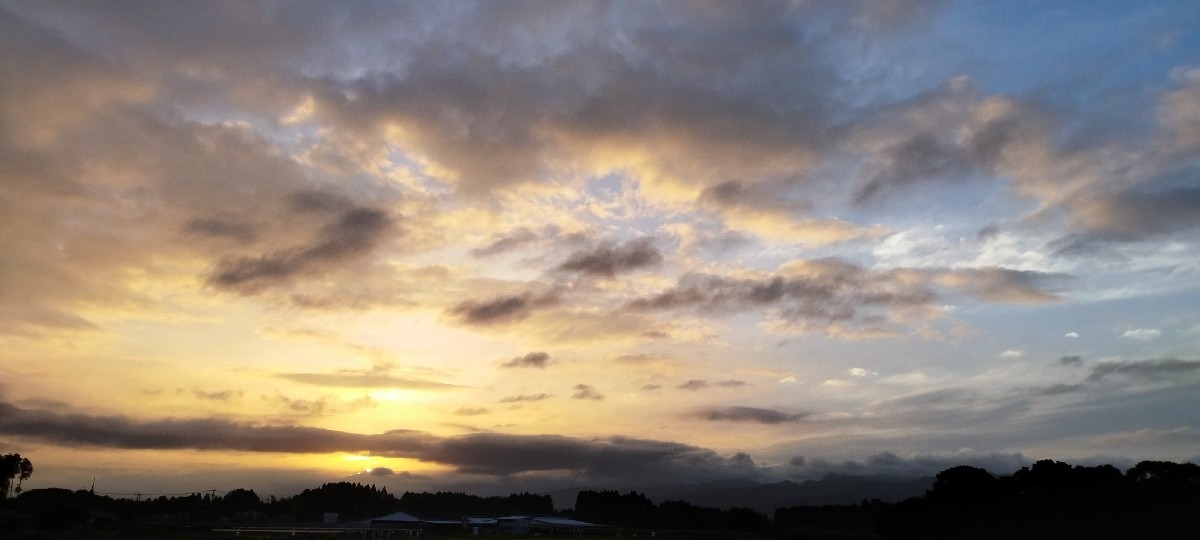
[(507, 246)]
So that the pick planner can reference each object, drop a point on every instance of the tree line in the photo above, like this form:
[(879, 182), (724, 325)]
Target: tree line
[(635, 510), (58, 508), (1049, 499)]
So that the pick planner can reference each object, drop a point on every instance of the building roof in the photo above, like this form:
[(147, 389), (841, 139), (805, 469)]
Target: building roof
[(564, 522), (398, 517)]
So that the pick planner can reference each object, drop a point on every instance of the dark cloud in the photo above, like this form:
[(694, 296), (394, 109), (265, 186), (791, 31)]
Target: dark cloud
[(501, 310), (319, 202), (754, 196), (199, 434), (921, 157), (476, 453), (917, 465), (830, 290), (525, 398), (988, 232), (381, 471), (1130, 216), (537, 359), (700, 384), (352, 234), (609, 260), (586, 391), (225, 228), (955, 148), (1146, 369), (651, 387), (1070, 360), (468, 411), (614, 457), (750, 414)]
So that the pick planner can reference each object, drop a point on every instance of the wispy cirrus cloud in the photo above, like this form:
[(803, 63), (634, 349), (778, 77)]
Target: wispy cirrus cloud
[(536, 359), (378, 377)]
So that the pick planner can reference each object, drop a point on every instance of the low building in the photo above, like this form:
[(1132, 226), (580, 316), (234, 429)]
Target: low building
[(549, 525)]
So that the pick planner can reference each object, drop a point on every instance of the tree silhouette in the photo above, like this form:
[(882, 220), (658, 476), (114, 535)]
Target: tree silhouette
[(13, 466)]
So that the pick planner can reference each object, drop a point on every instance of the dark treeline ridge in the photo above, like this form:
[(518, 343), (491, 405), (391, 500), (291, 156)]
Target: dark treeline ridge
[(1050, 499), (453, 505), (56, 508), (635, 510)]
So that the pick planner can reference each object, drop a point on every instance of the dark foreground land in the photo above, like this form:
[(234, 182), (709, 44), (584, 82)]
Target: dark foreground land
[(1153, 500)]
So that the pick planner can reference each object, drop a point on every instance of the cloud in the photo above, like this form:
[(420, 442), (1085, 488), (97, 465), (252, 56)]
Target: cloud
[(526, 398), (1142, 334), (749, 414), (861, 372), (227, 228), (322, 406), (1070, 360), (199, 434), (502, 309), (694, 384), (381, 471), (921, 157), (700, 384), (614, 457), (502, 244), (641, 359), (1057, 389), (651, 387), (537, 359), (1133, 215), (468, 411), (378, 377), (222, 395), (1071, 335), (1146, 369), (836, 295), (823, 290), (476, 453), (586, 391), (1012, 353), (351, 234), (1005, 285), (1185, 434), (608, 260), (908, 465), (753, 197)]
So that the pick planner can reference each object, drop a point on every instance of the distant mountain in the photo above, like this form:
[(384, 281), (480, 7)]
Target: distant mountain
[(832, 489)]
